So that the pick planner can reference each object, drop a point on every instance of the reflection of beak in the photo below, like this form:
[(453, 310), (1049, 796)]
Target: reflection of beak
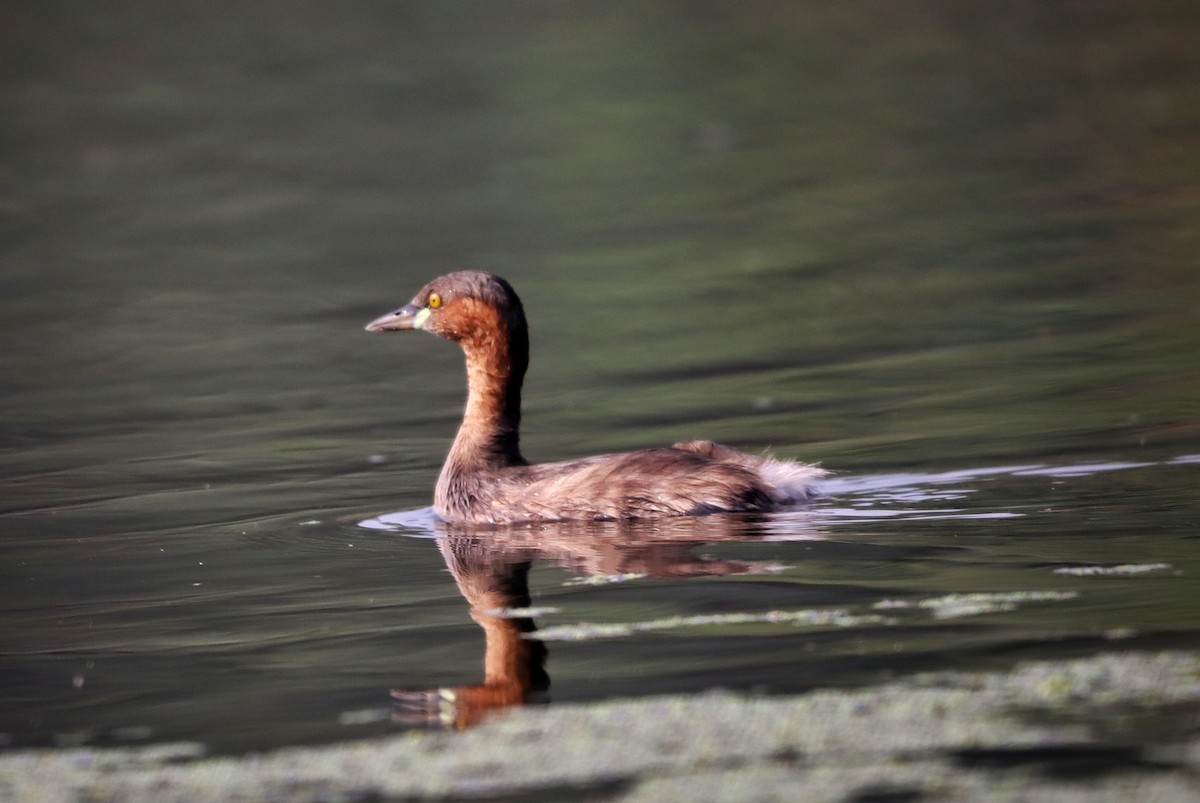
[(408, 317)]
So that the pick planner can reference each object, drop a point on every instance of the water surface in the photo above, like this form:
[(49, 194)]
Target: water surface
[(948, 251)]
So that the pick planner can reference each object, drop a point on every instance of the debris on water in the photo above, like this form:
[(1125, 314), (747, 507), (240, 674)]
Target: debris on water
[(954, 605), (1123, 570)]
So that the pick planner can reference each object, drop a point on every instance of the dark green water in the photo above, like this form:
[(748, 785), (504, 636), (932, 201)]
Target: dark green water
[(924, 244)]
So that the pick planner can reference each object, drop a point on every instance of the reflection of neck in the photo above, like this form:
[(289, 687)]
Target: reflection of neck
[(513, 665)]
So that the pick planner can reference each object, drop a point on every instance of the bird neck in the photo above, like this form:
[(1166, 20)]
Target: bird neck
[(490, 433)]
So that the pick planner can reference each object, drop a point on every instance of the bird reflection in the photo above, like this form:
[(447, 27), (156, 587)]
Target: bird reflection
[(491, 569), (494, 580)]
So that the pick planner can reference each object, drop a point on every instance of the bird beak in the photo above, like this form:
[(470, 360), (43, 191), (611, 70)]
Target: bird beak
[(407, 317)]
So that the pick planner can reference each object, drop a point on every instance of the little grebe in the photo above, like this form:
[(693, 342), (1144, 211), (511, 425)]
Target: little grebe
[(486, 480)]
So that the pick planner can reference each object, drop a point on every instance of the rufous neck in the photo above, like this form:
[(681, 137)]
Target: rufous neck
[(491, 428)]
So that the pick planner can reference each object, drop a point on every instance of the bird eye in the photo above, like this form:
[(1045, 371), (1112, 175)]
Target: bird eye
[(435, 301)]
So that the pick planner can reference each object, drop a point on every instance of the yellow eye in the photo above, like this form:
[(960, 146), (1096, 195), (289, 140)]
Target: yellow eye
[(435, 301)]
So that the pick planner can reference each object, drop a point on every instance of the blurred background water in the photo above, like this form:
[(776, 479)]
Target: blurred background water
[(947, 249)]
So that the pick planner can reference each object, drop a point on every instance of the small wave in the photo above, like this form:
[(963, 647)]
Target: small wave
[(419, 523), (901, 496)]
